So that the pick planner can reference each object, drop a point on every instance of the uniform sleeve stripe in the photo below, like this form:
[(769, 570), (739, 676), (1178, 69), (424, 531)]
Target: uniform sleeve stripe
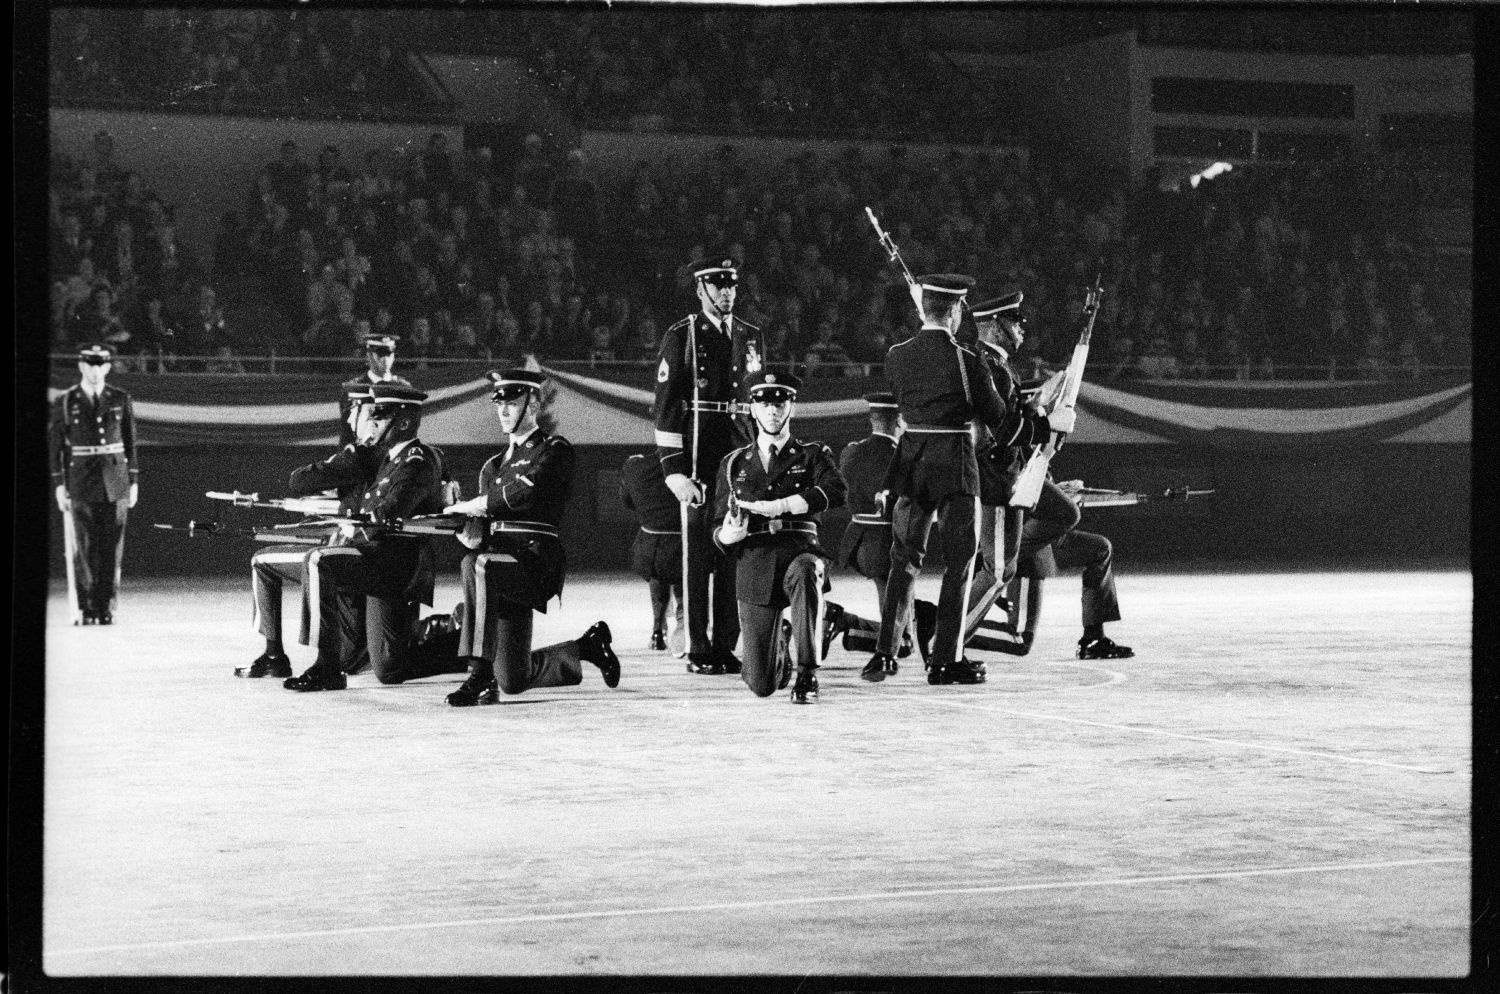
[(669, 439)]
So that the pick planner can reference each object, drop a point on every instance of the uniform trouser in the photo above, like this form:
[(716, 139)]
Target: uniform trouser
[(340, 578), (661, 595), (98, 545), (1096, 555), (270, 569), (1054, 516), (761, 625), (999, 543), (958, 518), (497, 626), (872, 559), (705, 561)]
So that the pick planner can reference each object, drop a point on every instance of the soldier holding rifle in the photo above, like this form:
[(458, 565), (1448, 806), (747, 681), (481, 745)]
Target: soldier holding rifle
[(94, 474), (705, 359)]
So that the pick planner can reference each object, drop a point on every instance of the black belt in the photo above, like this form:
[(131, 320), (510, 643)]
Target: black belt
[(717, 406), (112, 449)]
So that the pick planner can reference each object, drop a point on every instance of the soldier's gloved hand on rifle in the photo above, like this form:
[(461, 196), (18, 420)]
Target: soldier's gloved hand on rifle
[(1062, 420), (475, 508), (684, 489), (735, 527), (62, 499), (915, 289), (795, 504)]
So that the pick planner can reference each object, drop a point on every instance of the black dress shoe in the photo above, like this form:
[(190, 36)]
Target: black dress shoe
[(318, 677), (878, 668), (1103, 648), (594, 646), (480, 688), (267, 663), (834, 623), (88, 618), (104, 618), (907, 646), (731, 664), (926, 615), (805, 690), (705, 665), (961, 671), (658, 640)]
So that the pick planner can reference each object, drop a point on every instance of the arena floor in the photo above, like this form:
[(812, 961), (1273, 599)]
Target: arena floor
[(1278, 784)]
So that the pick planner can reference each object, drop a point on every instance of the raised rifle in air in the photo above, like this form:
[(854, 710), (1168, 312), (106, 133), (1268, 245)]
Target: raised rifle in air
[(1099, 497)]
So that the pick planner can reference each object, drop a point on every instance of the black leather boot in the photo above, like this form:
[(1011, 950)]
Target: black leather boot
[(594, 646)]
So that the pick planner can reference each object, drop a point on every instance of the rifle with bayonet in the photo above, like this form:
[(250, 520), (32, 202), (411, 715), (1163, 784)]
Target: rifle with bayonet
[(1099, 497), (1059, 395)]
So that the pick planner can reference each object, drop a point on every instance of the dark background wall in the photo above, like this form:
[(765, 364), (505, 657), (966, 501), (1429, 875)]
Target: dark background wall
[(1376, 505)]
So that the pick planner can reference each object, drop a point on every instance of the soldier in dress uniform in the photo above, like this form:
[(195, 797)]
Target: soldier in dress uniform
[(1044, 554), (769, 496), (941, 389), (396, 476), (380, 358), (95, 478), (656, 551), (518, 564), (272, 567), (705, 359), (866, 545), (1002, 455)]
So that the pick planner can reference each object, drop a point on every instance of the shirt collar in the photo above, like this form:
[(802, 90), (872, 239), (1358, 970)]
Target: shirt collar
[(884, 435), (516, 441), (718, 324), (398, 448), (763, 442)]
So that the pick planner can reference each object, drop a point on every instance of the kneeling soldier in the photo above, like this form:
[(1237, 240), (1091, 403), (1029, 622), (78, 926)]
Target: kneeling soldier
[(769, 496), (518, 563), (393, 476)]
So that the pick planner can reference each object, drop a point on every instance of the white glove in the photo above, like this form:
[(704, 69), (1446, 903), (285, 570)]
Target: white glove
[(135, 493), (915, 289), (684, 489), (62, 499), (735, 527), (475, 508), (1062, 420)]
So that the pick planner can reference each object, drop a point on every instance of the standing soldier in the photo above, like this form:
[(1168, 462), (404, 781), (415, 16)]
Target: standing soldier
[(94, 473), (941, 388), (518, 564), (705, 358), (769, 496), (656, 552), (380, 357), (1002, 456), (866, 545)]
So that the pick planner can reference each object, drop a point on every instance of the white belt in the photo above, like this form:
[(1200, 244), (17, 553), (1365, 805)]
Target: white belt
[(777, 525), (658, 531), (112, 449), (871, 520), (717, 406), (523, 527), (938, 431)]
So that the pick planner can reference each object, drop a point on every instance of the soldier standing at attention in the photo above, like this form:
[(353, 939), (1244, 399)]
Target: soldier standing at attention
[(769, 496), (95, 477), (518, 564), (941, 388), (705, 359), (380, 358)]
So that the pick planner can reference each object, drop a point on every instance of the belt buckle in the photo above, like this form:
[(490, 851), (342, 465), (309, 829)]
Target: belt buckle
[(774, 526)]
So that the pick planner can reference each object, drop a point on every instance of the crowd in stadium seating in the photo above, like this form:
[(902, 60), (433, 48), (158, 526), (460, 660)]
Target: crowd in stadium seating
[(478, 253)]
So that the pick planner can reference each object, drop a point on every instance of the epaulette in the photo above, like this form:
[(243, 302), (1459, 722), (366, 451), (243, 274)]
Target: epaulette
[(684, 323), (555, 440), (747, 325), (414, 453), (965, 349)]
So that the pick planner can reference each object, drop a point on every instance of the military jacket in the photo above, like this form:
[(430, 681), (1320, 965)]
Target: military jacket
[(346, 434), (643, 489), (92, 444), (530, 483), (804, 469), (1003, 455), (864, 465), (695, 353)]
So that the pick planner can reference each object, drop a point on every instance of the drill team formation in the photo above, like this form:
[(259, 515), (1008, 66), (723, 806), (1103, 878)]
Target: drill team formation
[(729, 504)]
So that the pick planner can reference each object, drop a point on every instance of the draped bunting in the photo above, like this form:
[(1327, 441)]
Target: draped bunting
[(612, 406)]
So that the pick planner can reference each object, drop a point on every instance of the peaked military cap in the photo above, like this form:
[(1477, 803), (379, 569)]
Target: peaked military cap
[(774, 386), (716, 268), (394, 395), (1010, 301), (507, 384), (381, 340), (95, 354), (358, 391), (881, 401), (951, 283)]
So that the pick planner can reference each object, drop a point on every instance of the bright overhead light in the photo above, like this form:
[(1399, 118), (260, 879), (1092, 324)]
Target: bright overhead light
[(1217, 169)]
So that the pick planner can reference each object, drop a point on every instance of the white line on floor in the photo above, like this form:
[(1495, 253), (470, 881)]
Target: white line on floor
[(1176, 735), (890, 895)]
